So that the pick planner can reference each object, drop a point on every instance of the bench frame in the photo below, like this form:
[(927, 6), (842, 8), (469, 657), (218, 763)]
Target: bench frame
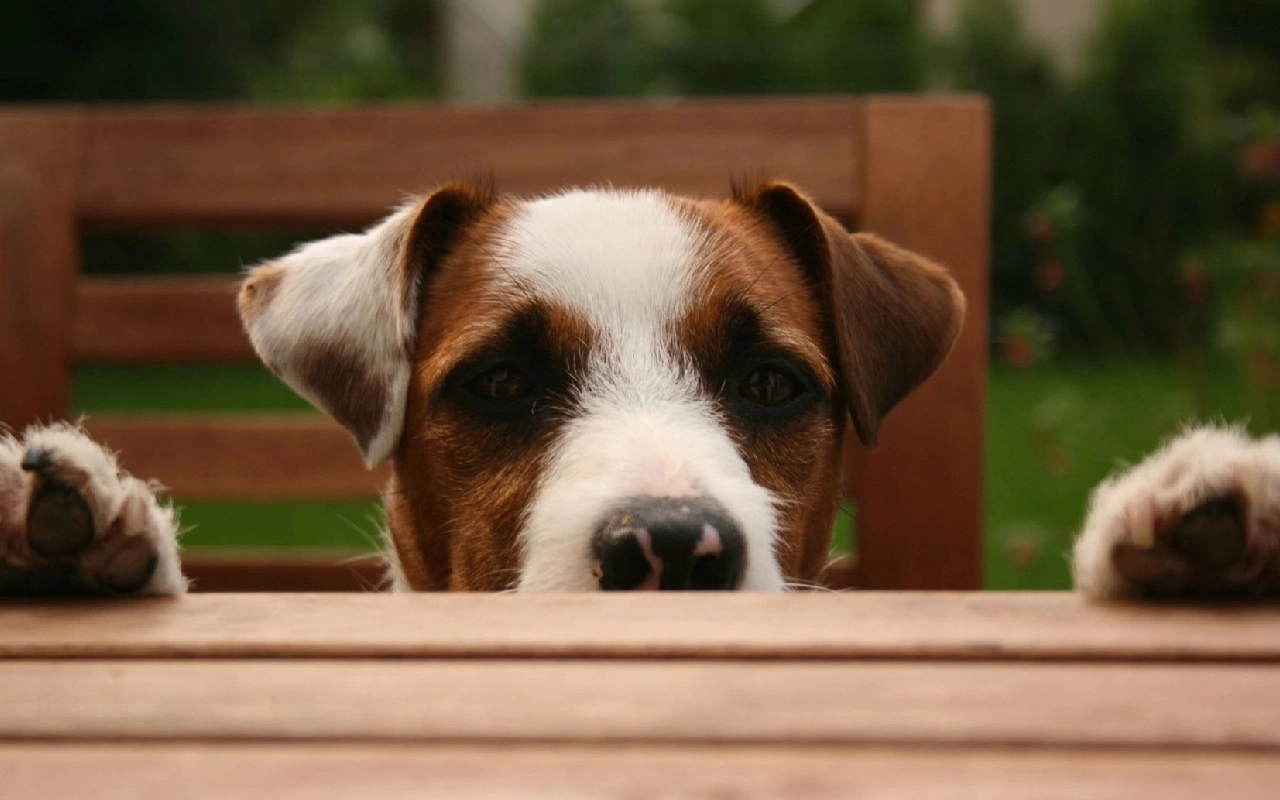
[(915, 170)]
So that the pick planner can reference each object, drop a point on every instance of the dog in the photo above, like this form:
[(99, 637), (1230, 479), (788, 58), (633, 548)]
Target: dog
[(611, 389)]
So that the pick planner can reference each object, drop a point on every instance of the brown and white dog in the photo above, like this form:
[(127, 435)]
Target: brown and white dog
[(610, 389)]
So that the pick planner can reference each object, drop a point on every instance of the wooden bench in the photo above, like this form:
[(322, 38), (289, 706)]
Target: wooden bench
[(915, 170)]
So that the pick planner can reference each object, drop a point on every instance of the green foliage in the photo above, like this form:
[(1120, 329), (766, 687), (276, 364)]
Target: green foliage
[(152, 50), (990, 54), (724, 47), (590, 48), (346, 51), (1116, 174), (1245, 48), (1149, 177), (857, 46)]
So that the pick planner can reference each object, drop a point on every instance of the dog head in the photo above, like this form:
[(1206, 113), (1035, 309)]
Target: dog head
[(605, 388)]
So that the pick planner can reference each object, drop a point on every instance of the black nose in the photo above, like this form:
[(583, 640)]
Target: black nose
[(669, 543)]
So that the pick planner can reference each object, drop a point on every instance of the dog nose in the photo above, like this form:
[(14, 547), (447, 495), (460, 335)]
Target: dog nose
[(669, 543)]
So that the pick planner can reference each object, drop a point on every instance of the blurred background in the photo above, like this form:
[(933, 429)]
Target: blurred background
[(1136, 205)]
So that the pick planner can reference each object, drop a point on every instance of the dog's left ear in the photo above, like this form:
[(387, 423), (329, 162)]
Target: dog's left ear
[(337, 319), (895, 315)]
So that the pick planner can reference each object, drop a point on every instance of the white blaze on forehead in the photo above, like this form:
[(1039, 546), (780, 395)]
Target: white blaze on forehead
[(627, 261)]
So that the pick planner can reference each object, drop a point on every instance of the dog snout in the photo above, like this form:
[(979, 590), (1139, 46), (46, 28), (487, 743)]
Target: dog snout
[(672, 544)]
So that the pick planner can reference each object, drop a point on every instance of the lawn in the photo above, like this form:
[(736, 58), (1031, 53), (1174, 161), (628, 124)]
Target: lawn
[(1052, 433)]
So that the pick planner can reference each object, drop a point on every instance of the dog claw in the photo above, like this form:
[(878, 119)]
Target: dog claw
[(37, 460), (59, 522), (1212, 536)]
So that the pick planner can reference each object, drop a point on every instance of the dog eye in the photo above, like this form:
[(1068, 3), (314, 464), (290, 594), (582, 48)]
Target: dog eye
[(501, 384), (770, 386)]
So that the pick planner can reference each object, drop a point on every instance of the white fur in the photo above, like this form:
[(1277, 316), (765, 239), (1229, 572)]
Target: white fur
[(629, 262), (351, 291)]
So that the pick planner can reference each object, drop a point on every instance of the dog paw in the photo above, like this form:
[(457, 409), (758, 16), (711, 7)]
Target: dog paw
[(72, 523), (1198, 518)]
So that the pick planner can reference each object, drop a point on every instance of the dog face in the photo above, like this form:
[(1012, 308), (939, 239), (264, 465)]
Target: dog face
[(605, 389)]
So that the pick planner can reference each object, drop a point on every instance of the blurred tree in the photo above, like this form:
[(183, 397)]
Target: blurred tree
[(134, 49), (701, 47), (724, 47), (353, 50), (1244, 36), (590, 48), (1141, 153), (857, 46), (990, 54), (77, 50)]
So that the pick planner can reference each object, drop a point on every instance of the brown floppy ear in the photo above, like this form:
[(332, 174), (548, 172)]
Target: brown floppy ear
[(337, 319), (894, 314)]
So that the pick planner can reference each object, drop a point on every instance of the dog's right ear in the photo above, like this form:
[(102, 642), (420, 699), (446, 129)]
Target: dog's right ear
[(337, 319), (895, 314)]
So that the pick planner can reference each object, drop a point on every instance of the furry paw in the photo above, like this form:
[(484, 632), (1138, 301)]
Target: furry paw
[(72, 523), (1199, 517)]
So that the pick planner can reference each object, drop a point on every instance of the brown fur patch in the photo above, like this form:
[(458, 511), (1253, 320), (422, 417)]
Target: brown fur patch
[(463, 483), (796, 459), (352, 396), (894, 315)]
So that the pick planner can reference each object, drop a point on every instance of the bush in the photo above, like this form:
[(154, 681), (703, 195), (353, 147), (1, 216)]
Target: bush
[(144, 50), (857, 46), (727, 47), (722, 47), (590, 48), (1146, 162), (991, 55)]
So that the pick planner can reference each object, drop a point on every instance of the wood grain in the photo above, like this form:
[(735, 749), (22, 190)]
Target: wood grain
[(241, 456), (157, 320), (159, 165), (39, 258), (1104, 706), (320, 772), (927, 187), (1036, 627)]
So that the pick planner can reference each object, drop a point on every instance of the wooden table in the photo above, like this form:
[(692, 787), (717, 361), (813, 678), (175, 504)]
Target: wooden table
[(502, 696)]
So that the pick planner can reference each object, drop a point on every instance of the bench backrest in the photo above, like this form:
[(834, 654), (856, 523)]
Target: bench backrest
[(915, 170)]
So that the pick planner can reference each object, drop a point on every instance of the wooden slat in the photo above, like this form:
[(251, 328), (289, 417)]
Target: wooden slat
[(319, 772), (227, 165), (157, 320), (1115, 705), (927, 187), (860, 625), (243, 457), (39, 257), (283, 572)]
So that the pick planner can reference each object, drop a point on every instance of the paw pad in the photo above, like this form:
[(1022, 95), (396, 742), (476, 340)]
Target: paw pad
[(73, 524)]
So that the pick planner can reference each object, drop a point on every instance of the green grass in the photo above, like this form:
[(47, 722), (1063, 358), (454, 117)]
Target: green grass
[(313, 525), (1052, 434), (237, 387)]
